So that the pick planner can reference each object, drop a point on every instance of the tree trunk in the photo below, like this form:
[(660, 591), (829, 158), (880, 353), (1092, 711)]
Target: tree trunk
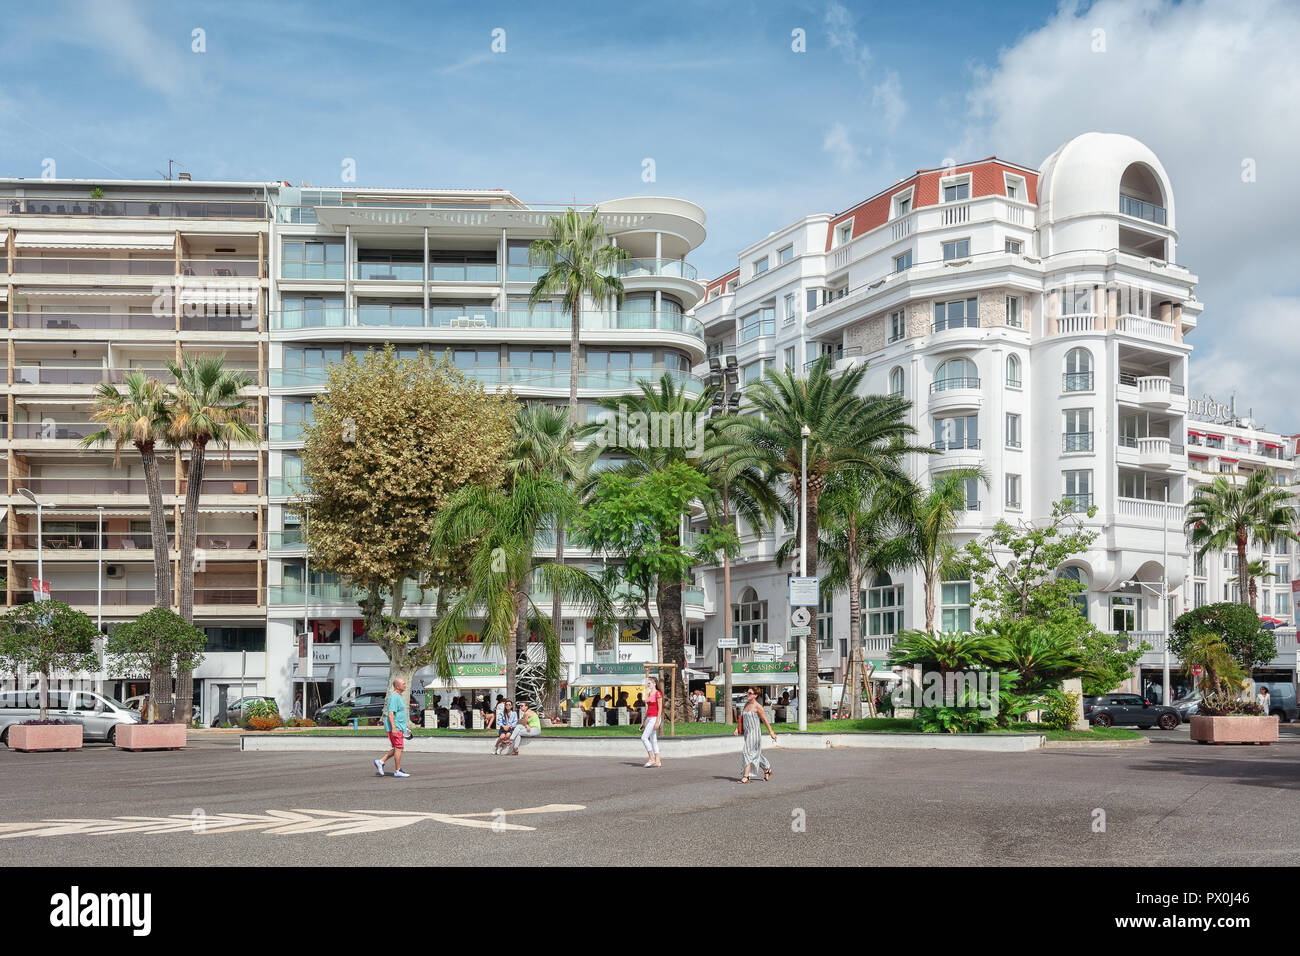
[(160, 687), (162, 561), (930, 581), (189, 537), (573, 363), (855, 618), (1243, 582), (812, 687), (725, 710), (672, 642), (557, 622), (520, 628)]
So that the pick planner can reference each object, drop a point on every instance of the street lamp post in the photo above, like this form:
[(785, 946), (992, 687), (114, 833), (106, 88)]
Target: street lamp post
[(804, 432), (1165, 696), (727, 399), (99, 588)]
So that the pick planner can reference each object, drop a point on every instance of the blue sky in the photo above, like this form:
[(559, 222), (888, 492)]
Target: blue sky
[(733, 118)]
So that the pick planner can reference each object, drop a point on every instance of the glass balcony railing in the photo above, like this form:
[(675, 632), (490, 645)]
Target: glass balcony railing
[(290, 540), (390, 271), (289, 431), (1142, 210), (135, 208), (511, 376), (340, 593), (49, 265), (81, 320), (673, 268), (474, 317), (313, 270), (286, 487), (220, 268)]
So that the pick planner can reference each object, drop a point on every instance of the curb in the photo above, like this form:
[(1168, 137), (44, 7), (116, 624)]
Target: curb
[(625, 747), (1096, 744)]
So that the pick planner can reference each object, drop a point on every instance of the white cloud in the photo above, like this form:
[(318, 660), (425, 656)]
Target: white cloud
[(843, 36), (161, 62), (1206, 84), (841, 148), (887, 96)]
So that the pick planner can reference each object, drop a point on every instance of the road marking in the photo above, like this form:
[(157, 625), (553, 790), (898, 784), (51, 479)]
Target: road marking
[(330, 822)]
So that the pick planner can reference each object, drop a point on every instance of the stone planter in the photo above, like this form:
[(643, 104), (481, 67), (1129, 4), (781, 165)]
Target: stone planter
[(33, 737), (150, 736), (1234, 730)]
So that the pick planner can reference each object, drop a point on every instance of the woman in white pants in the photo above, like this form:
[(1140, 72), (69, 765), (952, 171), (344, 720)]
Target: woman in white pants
[(654, 719), (530, 725)]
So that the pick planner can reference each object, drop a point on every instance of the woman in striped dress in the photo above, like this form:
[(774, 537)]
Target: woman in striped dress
[(747, 725)]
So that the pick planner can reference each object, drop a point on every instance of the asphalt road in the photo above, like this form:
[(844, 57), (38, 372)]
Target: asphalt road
[(1169, 803)]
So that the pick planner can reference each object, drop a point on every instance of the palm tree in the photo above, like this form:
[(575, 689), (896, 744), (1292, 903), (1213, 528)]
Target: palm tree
[(542, 445), (141, 415), (579, 263), (664, 401), (1257, 570), (503, 522), (931, 525), (1219, 669), (1225, 514), (862, 524), (846, 431), (206, 407)]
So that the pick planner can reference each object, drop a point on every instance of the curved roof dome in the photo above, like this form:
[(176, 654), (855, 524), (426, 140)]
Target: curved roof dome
[(1084, 177)]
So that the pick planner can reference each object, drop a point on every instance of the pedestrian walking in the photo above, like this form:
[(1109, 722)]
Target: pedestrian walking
[(395, 724), (530, 725), (297, 706), (505, 725), (653, 720), (748, 727), (1264, 698)]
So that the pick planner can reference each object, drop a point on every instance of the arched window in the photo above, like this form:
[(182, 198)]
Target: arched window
[(749, 618), (956, 373), (896, 381), (1080, 600), (1078, 371), (1013, 371), (883, 604)]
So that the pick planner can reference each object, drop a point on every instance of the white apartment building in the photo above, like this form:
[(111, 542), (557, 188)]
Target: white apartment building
[(109, 276), (1036, 319)]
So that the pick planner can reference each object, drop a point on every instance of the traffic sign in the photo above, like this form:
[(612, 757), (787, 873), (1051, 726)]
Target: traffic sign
[(767, 648), (800, 631), (801, 617), (40, 589), (804, 592), (1196, 670), (728, 642)]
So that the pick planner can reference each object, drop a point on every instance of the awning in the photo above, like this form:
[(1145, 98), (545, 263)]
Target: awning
[(1230, 460), (1194, 455), (56, 291), (1219, 437), (1269, 444), (222, 296), (320, 672), (88, 240), (1194, 432)]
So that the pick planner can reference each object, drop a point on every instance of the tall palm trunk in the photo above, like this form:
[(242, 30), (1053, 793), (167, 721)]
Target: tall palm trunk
[(812, 687), (1243, 576), (160, 674), (672, 640), (520, 630), (931, 582), (189, 537), (557, 609), (726, 620), (855, 611)]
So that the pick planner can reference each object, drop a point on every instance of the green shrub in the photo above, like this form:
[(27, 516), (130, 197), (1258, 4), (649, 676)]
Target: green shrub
[(1061, 710), (300, 722), (953, 720), (338, 716), (1227, 704)]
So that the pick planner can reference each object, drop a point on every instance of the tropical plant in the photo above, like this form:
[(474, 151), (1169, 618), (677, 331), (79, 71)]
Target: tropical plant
[(1040, 654), (503, 525), (947, 652), (1257, 570), (47, 637), (579, 264), (1228, 514), (1220, 672), (1235, 624), (391, 440), (165, 645), (141, 415), (845, 431), (1061, 710), (863, 519), (930, 529)]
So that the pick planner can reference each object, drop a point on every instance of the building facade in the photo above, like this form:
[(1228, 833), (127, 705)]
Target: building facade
[(1037, 319), (108, 277)]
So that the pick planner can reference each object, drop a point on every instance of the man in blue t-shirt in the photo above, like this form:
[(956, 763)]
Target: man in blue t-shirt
[(395, 724)]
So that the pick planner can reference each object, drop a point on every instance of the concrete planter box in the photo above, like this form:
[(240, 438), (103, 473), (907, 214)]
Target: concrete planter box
[(1234, 730), (150, 736), (33, 737)]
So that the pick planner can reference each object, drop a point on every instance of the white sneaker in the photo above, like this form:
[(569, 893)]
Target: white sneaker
[(379, 767), (400, 773)]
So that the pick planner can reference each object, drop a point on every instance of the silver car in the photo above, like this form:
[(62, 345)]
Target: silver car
[(98, 715)]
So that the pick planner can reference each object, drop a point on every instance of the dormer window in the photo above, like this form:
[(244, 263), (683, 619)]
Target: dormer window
[(957, 191), (1015, 186), (844, 233), (902, 204)]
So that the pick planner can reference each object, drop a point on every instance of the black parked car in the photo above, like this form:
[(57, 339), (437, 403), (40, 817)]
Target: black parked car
[(368, 706), (1132, 709)]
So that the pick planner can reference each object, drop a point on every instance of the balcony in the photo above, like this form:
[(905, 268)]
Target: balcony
[(221, 268), (1145, 328), (1155, 391), (671, 268), (1076, 442), (69, 266), (1074, 324), (1077, 503), (290, 540), (1077, 382), (1128, 206), (79, 321), (136, 208), (291, 486), (1150, 510), (515, 377), (948, 394), (143, 598), (390, 271), (474, 317), (956, 444)]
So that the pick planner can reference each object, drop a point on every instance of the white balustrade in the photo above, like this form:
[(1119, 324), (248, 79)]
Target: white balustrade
[(1082, 322), (1147, 328)]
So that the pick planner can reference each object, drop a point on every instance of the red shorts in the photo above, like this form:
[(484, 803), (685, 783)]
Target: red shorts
[(397, 740)]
